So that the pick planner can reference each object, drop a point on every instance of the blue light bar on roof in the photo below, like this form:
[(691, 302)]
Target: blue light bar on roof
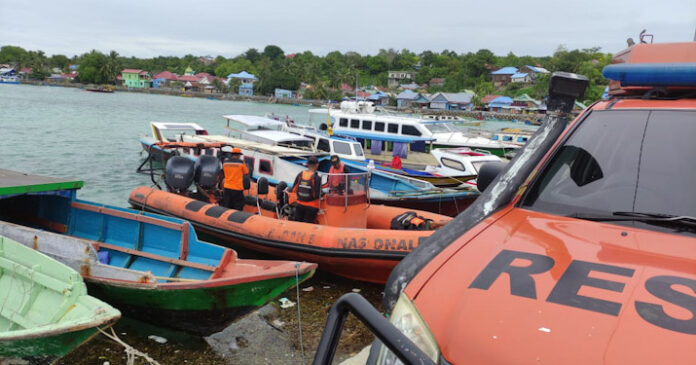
[(652, 74)]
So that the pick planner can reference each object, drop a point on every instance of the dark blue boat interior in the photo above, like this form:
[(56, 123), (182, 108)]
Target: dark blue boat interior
[(118, 227)]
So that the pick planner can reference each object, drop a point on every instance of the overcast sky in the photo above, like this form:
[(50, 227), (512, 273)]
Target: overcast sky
[(146, 28)]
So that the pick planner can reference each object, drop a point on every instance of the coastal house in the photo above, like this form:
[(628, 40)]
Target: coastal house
[(24, 73), (283, 94), (525, 102), (503, 76), (207, 82), (405, 99), (396, 78), (521, 77), (436, 81), (488, 98), (499, 104), (451, 101), (422, 101), (346, 89), (379, 98), (534, 72), (163, 79), (135, 78), (247, 80)]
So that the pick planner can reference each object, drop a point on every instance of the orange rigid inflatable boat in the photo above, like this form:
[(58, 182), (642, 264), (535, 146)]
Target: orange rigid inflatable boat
[(352, 238)]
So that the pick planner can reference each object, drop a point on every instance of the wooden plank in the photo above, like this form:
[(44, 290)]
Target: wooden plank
[(183, 251), (152, 256), (127, 215)]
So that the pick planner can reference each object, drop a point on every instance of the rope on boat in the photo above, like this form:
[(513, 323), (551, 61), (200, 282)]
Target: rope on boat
[(299, 317), (131, 352)]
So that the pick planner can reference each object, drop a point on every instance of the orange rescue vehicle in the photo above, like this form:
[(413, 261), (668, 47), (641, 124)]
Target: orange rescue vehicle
[(581, 251)]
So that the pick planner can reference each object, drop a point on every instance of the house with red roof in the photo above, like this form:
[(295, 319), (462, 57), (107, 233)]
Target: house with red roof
[(488, 98), (136, 78), (162, 79)]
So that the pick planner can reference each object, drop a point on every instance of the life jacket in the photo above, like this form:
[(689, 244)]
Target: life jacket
[(396, 163), (336, 175), (305, 188), (234, 173)]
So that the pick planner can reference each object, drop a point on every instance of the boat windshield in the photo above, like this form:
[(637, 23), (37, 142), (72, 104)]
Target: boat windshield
[(358, 149), (439, 128), (622, 161), (347, 185)]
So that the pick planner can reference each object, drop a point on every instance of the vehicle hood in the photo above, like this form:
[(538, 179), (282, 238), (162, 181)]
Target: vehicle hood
[(538, 288)]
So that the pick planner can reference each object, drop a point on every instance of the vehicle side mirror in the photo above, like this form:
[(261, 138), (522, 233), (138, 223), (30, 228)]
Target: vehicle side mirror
[(487, 173)]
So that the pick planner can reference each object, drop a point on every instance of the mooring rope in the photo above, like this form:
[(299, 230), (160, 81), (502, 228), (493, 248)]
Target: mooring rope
[(131, 352), (299, 316)]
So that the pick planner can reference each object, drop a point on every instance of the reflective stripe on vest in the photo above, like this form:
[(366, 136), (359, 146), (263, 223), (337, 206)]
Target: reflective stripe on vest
[(305, 188)]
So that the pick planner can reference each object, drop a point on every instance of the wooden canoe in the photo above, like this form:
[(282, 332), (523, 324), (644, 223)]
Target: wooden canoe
[(45, 311)]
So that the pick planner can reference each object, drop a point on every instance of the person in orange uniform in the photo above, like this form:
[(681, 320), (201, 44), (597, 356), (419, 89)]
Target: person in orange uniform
[(234, 170), (337, 179), (307, 186)]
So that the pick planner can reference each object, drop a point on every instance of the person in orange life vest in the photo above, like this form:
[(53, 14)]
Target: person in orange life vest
[(337, 180), (308, 188), (234, 170)]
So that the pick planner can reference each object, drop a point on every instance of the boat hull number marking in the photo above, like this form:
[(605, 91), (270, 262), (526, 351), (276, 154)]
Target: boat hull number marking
[(578, 274)]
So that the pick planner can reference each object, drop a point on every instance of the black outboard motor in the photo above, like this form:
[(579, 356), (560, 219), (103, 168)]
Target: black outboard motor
[(208, 169), (179, 174)]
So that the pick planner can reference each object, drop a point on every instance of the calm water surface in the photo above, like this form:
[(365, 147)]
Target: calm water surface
[(72, 133)]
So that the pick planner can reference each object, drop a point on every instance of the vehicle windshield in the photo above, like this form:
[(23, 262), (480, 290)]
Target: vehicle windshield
[(438, 128), (622, 161)]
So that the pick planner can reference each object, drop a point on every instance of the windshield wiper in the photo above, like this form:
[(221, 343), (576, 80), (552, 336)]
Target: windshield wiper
[(652, 218)]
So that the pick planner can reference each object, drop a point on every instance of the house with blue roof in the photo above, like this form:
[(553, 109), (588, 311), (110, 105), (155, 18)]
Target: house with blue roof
[(500, 103), (503, 76), (405, 99), (247, 80), (452, 101), (521, 77), (534, 72), (379, 98)]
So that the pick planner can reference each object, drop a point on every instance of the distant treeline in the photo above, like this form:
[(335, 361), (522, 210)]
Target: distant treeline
[(275, 69)]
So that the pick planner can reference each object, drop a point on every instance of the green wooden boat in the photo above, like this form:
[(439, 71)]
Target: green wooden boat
[(151, 267), (45, 311)]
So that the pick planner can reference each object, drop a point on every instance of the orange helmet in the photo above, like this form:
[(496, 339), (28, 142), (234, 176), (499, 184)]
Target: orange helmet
[(237, 151)]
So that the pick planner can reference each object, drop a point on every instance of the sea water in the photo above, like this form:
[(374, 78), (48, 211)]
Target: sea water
[(93, 137)]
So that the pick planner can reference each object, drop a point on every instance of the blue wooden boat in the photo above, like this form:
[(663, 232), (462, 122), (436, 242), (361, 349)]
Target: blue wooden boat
[(149, 266)]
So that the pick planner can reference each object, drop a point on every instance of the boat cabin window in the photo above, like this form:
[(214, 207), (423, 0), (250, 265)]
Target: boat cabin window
[(367, 125), (522, 139), (379, 126), (453, 164), (341, 148), (343, 122), (355, 123), (393, 128), (410, 130), (438, 128), (265, 167), (323, 145), (358, 149), (507, 138), (495, 137)]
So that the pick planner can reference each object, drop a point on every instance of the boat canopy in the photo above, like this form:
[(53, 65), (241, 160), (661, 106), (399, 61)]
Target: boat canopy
[(174, 126), (279, 136), (17, 183), (253, 121)]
